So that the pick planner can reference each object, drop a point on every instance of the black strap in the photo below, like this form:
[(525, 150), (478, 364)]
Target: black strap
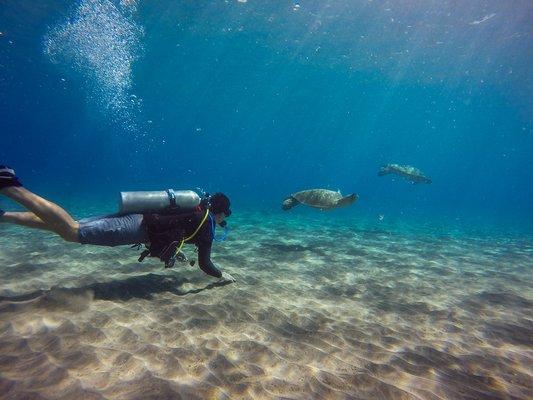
[(143, 255), (172, 199)]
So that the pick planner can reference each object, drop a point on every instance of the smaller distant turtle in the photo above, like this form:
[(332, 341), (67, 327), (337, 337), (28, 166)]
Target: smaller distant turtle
[(412, 174), (319, 198)]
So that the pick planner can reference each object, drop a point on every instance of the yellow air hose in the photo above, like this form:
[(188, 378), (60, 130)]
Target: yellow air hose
[(194, 233)]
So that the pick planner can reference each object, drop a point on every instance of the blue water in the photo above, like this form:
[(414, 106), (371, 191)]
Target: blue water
[(413, 292), (263, 100)]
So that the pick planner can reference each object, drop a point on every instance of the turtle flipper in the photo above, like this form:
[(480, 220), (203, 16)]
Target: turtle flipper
[(347, 200), (384, 170)]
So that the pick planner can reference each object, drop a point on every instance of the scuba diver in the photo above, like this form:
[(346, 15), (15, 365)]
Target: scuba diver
[(163, 233)]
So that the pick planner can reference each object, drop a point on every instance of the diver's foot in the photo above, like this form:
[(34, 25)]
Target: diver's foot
[(8, 177)]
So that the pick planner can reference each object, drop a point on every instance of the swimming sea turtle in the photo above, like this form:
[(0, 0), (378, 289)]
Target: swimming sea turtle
[(319, 198), (405, 171)]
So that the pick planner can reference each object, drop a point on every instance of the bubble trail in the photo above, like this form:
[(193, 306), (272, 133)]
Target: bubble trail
[(101, 42)]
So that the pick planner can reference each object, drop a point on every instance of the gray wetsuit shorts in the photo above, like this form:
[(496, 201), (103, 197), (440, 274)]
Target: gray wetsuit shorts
[(113, 230)]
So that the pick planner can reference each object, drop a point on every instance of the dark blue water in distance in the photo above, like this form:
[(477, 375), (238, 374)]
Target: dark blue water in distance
[(263, 99)]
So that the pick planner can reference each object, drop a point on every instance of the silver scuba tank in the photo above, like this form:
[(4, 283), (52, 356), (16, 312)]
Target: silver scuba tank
[(158, 201)]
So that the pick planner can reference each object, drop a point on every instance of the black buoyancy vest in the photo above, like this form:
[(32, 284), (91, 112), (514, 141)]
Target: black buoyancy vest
[(166, 232)]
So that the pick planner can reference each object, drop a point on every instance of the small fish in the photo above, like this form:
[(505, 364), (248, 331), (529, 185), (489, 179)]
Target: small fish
[(485, 18)]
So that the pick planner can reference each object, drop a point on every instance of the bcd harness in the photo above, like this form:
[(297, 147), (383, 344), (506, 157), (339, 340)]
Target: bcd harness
[(167, 237)]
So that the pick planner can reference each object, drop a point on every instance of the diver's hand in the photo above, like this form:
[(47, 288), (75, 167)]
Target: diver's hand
[(227, 278)]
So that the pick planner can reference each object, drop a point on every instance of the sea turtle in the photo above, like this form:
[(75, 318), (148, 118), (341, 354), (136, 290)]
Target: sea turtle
[(405, 171), (319, 198)]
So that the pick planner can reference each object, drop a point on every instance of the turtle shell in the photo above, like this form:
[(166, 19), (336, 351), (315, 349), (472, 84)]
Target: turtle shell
[(319, 198)]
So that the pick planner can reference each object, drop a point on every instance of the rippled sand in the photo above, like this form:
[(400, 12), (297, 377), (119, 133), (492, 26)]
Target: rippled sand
[(319, 311)]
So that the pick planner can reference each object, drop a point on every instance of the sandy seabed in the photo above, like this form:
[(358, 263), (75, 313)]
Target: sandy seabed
[(319, 311)]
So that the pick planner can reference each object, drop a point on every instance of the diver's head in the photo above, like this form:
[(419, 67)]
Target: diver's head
[(219, 205)]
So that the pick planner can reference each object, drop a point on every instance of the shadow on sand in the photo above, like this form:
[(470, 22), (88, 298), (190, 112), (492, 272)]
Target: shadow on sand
[(143, 287)]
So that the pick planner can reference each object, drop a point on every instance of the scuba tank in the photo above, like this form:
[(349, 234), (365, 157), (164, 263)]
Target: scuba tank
[(158, 201)]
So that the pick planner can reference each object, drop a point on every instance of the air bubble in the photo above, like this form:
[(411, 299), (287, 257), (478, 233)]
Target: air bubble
[(100, 42)]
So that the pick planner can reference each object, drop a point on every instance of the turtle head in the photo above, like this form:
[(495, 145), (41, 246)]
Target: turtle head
[(384, 170), (289, 203), (347, 200)]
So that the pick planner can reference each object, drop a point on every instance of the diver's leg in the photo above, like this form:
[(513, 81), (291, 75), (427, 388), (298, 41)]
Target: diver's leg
[(57, 219), (25, 218)]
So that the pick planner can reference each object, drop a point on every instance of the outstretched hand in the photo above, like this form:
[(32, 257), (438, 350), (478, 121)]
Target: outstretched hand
[(226, 277)]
